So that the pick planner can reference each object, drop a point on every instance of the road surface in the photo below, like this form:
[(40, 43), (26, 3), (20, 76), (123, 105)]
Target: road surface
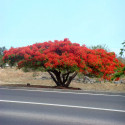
[(41, 107)]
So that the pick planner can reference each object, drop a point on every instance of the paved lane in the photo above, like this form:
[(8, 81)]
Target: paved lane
[(30, 107)]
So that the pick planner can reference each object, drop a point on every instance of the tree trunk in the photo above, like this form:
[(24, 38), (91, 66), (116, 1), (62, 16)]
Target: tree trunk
[(62, 79)]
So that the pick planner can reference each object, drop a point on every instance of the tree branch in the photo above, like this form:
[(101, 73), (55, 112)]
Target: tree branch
[(70, 79), (54, 79), (65, 76)]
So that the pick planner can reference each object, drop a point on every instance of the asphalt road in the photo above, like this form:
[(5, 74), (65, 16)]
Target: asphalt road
[(40, 107)]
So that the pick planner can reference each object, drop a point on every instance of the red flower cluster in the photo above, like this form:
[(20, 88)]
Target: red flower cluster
[(64, 55)]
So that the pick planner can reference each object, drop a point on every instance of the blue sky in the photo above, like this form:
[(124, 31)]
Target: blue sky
[(89, 22)]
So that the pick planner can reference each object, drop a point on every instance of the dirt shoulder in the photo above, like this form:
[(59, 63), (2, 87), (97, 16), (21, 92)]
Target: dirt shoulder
[(13, 77)]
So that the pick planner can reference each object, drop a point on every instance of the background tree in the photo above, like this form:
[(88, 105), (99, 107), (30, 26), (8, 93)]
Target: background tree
[(2, 49), (105, 47), (121, 72), (63, 60), (122, 49)]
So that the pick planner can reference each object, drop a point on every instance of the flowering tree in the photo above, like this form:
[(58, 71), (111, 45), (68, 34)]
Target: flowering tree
[(63, 60)]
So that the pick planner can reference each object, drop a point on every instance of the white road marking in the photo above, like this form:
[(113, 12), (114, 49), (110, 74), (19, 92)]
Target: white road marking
[(60, 105), (64, 92)]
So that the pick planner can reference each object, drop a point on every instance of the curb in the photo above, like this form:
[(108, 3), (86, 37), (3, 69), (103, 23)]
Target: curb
[(63, 90)]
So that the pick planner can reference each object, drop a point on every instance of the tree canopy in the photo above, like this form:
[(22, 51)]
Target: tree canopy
[(63, 60)]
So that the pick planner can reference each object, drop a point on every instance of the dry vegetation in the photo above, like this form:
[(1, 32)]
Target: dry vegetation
[(11, 76), (15, 76)]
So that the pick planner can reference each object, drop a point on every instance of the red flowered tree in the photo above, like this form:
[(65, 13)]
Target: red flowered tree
[(63, 60)]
